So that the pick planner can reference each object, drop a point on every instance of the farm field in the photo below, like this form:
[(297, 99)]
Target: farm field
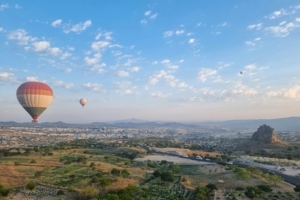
[(81, 171)]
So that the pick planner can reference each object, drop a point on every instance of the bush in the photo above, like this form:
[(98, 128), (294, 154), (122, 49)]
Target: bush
[(16, 163), (265, 188), (92, 164), (90, 192), (30, 186), (60, 192), (33, 161), (38, 174), (115, 171), (4, 192)]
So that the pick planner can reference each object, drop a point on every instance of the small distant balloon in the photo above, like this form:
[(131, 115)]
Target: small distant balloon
[(241, 72), (82, 101)]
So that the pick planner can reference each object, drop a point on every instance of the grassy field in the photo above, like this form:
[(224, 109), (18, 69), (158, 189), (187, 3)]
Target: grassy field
[(75, 169)]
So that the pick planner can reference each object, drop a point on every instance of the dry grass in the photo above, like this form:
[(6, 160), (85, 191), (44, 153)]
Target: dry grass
[(121, 183), (10, 177), (189, 152)]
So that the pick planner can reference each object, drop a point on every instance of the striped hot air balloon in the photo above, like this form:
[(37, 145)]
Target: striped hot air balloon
[(34, 97)]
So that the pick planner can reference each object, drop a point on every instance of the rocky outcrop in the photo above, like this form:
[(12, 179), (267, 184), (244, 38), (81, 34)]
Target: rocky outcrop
[(265, 134)]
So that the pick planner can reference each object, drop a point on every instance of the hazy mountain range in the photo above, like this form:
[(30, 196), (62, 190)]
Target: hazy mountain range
[(281, 124)]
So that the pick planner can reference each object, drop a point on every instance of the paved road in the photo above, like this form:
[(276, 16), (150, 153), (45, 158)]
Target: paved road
[(290, 179)]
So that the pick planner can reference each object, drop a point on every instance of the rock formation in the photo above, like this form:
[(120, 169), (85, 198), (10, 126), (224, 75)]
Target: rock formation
[(265, 134)]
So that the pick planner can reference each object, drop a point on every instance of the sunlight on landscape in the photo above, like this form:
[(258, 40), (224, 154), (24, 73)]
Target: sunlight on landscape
[(150, 100)]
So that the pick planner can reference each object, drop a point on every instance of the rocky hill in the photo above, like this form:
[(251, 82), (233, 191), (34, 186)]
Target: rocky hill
[(265, 134)]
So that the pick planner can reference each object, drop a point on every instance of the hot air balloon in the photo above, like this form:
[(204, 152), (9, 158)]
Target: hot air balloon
[(82, 102), (34, 97)]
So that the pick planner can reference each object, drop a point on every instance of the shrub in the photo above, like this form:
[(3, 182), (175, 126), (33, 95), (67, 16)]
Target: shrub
[(115, 171), (90, 192), (265, 188), (4, 192), (92, 164), (38, 174), (60, 192), (33, 161), (30, 186), (16, 163)]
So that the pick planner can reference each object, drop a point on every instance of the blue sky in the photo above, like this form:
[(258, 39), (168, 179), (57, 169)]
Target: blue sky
[(153, 60)]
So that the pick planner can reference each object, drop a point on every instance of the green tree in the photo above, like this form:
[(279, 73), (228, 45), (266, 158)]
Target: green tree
[(167, 176), (124, 172), (242, 173), (175, 169), (275, 179), (254, 170), (297, 188), (201, 193), (31, 185), (115, 171), (211, 187)]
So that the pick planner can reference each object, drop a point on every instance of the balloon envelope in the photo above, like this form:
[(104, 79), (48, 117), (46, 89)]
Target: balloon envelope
[(82, 102), (34, 97)]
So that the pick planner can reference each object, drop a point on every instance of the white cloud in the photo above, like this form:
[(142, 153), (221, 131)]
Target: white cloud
[(135, 69), (205, 73), (105, 35), (4, 6), (98, 68), (181, 61), (165, 61), (56, 23), (290, 93), (143, 21), (253, 42), (95, 87), (168, 33), (183, 85), (92, 61), (31, 78), (179, 32), (255, 26), (5, 75), (125, 88), (77, 28), (147, 13), (41, 46), (20, 35), (224, 24), (122, 73), (297, 19), (65, 55), (170, 79), (96, 46), (278, 13), (243, 90), (158, 95), (283, 29), (250, 67), (1, 29), (62, 84), (153, 16), (17, 6), (154, 62), (54, 51), (192, 40), (67, 70)]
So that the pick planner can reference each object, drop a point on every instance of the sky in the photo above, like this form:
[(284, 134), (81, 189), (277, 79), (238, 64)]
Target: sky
[(172, 60)]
